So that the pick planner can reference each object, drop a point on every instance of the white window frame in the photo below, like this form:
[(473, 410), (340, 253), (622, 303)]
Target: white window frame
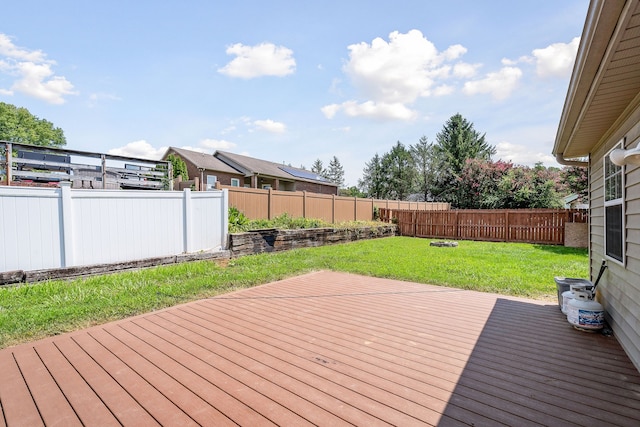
[(235, 182), (211, 183), (609, 181)]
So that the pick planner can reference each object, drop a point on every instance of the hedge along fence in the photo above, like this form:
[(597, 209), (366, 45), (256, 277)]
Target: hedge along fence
[(257, 203), (544, 226)]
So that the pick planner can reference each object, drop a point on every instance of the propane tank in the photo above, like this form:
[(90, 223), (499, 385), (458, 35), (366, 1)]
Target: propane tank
[(584, 313), (569, 295)]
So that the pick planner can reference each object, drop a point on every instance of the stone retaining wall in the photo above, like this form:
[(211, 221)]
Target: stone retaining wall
[(240, 244), (272, 240)]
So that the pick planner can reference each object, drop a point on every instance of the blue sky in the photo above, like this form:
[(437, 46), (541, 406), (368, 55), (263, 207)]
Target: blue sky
[(291, 81)]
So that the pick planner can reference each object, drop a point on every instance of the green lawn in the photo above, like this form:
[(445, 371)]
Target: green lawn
[(49, 308)]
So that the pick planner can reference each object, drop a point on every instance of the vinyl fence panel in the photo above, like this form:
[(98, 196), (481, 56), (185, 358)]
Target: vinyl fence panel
[(52, 228), (30, 228)]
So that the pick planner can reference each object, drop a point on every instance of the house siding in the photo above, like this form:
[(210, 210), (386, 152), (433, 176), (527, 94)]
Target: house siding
[(619, 287)]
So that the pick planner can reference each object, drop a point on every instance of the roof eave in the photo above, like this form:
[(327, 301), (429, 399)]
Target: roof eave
[(595, 43)]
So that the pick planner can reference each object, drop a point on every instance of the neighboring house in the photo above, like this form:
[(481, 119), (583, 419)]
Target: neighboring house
[(207, 168), (243, 171), (574, 201), (601, 114)]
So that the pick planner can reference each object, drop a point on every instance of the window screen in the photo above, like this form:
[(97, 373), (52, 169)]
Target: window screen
[(614, 209)]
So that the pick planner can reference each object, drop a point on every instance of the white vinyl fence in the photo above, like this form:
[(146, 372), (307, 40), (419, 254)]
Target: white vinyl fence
[(43, 228)]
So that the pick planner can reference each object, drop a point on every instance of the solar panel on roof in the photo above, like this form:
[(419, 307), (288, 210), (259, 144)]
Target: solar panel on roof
[(299, 173)]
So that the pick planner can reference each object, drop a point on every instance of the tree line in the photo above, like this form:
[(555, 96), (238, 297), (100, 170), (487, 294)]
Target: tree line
[(458, 168)]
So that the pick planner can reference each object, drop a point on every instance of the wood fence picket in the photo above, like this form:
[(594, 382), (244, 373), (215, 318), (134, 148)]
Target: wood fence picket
[(545, 226)]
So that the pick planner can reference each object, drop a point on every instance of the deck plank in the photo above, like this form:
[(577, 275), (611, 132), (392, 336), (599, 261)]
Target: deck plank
[(84, 401), (17, 403), (327, 348), (51, 402)]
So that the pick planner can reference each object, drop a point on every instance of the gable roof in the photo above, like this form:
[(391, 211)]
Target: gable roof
[(203, 160), (605, 84), (251, 166)]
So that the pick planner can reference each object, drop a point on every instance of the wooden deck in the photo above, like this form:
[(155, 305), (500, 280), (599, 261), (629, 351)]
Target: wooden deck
[(327, 349)]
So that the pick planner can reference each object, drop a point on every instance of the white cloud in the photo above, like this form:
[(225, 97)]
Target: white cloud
[(465, 70), (9, 50), (33, 72), (330, 111), (371, 109), (265, 59), (400, 70), (393, 74), (522, 155), (443, 90), (270, 126), (556, 60), (499, 85), (141, 149), (216, 144)]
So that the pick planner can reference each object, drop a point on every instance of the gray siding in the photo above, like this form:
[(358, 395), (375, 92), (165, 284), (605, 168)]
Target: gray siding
[(619, 288)]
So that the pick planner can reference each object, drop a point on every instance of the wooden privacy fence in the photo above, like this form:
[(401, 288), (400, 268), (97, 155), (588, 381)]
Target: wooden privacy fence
[(267, 204), (545, 226)]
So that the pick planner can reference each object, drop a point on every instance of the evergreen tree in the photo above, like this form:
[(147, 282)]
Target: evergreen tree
[(455, 144), (179, 167), (426, 166), (335, 172), (399, 172), (373, 179), (318, 168)]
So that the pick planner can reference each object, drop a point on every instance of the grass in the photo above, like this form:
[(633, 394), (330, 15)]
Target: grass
[(43, 309)]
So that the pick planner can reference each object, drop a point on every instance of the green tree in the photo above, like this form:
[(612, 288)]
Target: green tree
[(352, 191), (373, 180), (536, 187), (399, 172), (576, 181), (179, 167), (20, 126), (457, 142), (335, 172), (426, 167), (318, 168)]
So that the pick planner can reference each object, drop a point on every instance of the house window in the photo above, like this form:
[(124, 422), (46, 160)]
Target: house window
[(235, 182), (211, 182), (614, 209)]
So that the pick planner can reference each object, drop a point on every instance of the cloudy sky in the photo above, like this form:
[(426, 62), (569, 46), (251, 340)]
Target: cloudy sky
[(291, 81)]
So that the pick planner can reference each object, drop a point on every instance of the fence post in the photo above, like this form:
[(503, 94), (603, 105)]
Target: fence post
[(8, 165), (507, 231), (66, 223), (355, 208), (225, 219), (269, 203), (103, 162), (187, 222), (304, 203), (333, 208)]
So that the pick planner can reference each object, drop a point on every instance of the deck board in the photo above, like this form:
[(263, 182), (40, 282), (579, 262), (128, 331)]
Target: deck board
[(327, 349)]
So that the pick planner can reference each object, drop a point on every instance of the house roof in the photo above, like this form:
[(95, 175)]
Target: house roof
[(253, 166), (202, 160), (605, 84)]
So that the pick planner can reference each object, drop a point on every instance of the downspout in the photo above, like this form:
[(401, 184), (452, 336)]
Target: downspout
[(565, 162)]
